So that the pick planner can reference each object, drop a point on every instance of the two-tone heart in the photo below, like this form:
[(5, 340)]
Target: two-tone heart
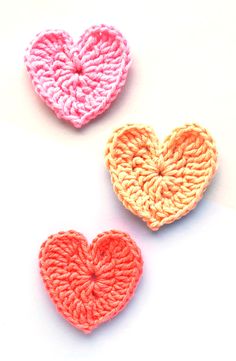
[(160, 183), (78, 81), (90, 284)]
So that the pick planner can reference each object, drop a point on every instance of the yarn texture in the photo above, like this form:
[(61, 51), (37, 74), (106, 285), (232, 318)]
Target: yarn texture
[(78, 81), (90, 284), (160, 183)]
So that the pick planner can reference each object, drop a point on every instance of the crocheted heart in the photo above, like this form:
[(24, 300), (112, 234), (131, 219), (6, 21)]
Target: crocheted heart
[(160, 183), (78, 81), (90, 284)]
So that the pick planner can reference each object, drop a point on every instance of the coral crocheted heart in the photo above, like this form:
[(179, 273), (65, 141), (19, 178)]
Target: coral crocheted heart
[(90, 284), (160, 183), (78, 81)]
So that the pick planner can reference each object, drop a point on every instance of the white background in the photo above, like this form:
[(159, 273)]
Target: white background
[(53, 178)]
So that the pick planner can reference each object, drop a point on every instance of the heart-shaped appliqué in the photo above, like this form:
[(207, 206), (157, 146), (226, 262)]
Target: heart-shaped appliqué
[(90, 284), (78, 81), (160, 183)]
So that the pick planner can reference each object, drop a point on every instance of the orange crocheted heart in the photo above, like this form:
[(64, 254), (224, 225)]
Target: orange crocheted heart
[(90, 284), (160, 183)]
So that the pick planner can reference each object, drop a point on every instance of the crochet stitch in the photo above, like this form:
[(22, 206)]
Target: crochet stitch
[(90, 284), (160, 183), (78, 81)]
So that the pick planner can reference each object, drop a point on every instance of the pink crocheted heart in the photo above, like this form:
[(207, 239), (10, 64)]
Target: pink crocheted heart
[(78, 81)]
